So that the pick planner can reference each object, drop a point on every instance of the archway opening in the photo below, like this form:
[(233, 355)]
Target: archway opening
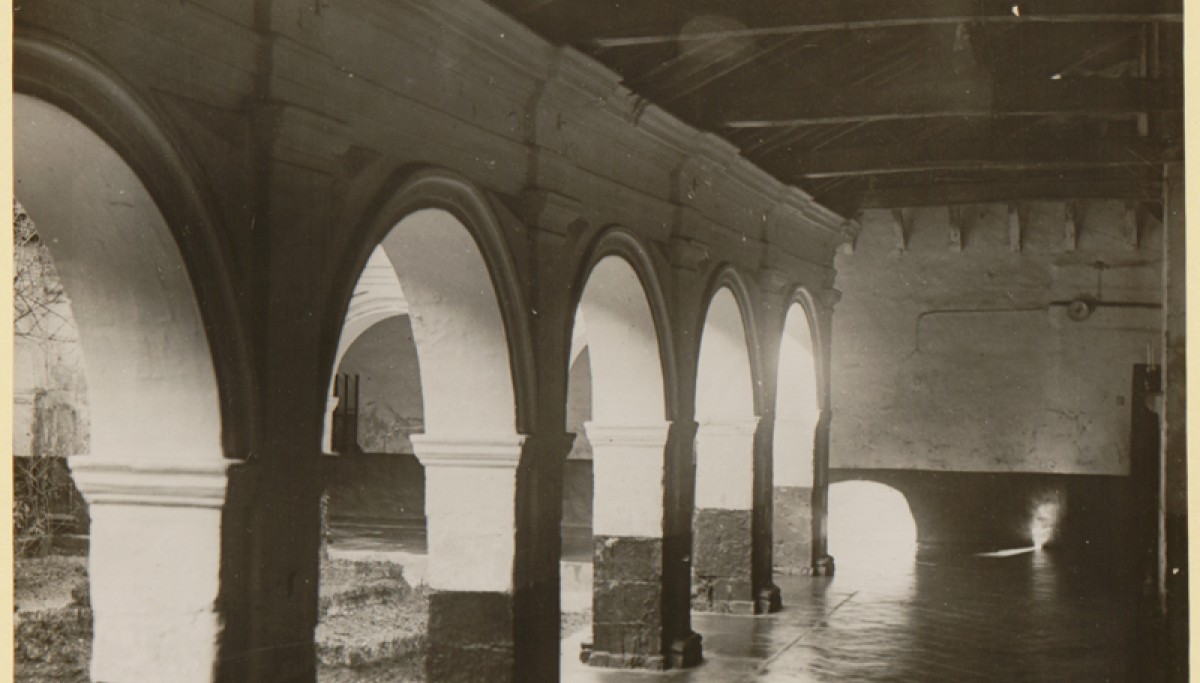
[(615, 334), (149, 391), (722, 541), (422, 417), (871, 528), (797, 409), (575, 574)]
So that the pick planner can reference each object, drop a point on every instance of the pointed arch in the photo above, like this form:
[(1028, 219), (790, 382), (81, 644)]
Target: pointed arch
[(60, 81), (627, 289), (445, 214), (729, 340)]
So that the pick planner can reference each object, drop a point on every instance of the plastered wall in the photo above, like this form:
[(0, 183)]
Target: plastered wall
[(963, 360), (390, 400)]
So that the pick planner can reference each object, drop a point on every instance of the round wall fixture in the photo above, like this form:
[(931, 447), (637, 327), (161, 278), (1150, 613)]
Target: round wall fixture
[(1079, 310)]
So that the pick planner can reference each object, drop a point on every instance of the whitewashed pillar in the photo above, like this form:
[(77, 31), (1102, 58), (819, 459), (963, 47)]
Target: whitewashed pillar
[(723, 541), (628, 463), (154, 565), (470, 511)]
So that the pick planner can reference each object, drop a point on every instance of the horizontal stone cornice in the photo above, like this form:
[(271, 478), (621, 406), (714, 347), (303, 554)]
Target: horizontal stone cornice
[(796, 210), (774, 280), (500, 451), (745, 427), (575, 71), (164, 482), (645, 435), (482, 24)]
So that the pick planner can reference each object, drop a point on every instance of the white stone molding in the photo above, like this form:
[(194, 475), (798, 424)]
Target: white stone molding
[(628, 462), (736, 428), (377, 296), (725, 464), (470, 510), (331, 404), (470, 207), (774, 280), (154, 564), (162, 482), (435, 451), (793, 451)]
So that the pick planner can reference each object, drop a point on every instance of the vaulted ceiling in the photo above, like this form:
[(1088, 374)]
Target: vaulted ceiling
[(898, 103)]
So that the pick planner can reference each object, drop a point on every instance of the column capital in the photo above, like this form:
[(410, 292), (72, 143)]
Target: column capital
[(828, 298), (553, 212), (735, 427), (647, 434), (162, 482), (774, 280), (491, 451)]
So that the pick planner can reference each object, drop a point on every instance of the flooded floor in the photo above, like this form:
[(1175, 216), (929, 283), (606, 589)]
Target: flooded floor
[(949, 615), (952, 616)]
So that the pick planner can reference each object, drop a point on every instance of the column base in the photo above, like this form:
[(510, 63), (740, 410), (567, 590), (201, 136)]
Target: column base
[(768, 601), (706, 592), (792, 528), (824, 566), (686, 652), (614, 660), (627, 627), (721, 571), (470, 637)]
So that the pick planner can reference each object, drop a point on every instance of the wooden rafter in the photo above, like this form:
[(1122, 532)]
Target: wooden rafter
[(966, 98), (927, 193), (633, 27), (1046, 153)]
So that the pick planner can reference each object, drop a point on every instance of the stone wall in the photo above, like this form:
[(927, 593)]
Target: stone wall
[(972, 360), (389, 399)]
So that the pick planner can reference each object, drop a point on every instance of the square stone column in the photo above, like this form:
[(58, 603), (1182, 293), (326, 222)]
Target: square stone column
[(793, 489), (628, 463), (154, 566), (723, 541), (470, 511)]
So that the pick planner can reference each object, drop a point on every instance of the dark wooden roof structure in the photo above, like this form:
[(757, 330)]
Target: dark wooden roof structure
[(899, 103)]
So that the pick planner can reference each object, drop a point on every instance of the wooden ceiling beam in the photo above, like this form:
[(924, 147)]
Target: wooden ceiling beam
[(966, 98), (991, 191), (1045, 153), (629, 28)]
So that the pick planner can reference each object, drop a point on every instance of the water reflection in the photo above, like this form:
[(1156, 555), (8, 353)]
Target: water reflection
[(953, 614)]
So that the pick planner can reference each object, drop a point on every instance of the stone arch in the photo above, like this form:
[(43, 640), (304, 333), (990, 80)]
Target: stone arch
[(622, 310), (798, 405), (377, 296), (613, 245), (169, 380), (818, 344), (457, 221), (723, 538), (873, 525), (60, 81), (735, 332)]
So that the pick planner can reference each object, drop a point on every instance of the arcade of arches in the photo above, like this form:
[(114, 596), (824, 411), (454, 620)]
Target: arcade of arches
[(565, 319)]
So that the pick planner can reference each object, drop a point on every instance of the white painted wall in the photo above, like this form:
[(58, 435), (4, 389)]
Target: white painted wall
[(628, 431), (724, 384), (725, 464), (724, 410), (628, 466), (152, 390), (627, 371), (796, 404), (457, 325), (470, 508)]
